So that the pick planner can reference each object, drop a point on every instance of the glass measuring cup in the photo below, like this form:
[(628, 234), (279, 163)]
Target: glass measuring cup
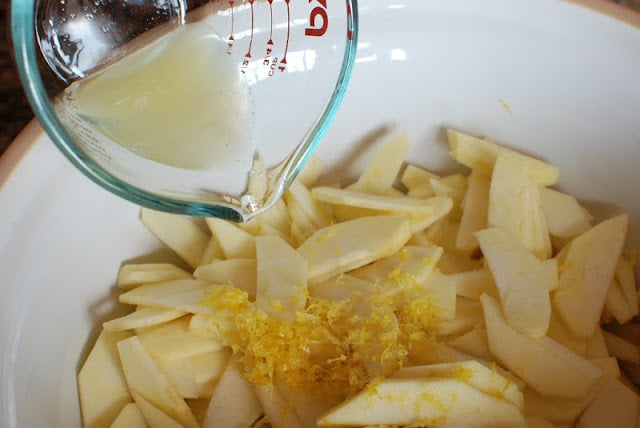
[(188, 106)]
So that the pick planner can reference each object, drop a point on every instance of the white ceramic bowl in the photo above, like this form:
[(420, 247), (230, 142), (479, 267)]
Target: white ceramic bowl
[(568, 71)]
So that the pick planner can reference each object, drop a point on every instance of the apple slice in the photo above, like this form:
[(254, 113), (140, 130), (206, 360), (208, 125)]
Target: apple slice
[(468, 316), (129, 417), (240, 273), (475, 211), (313, 209), (234, 242), (134, 274), (381, 171), (101, 384), (474, 343), (438, 402), (144, 378), (183, 294), (590, 262), (471, 372), (565, 216), (522, 285), (559, 332), (177, 232), (616, 303), (416, 180), (627, 279), (179, 373), (153, 416), (234, 402), (474, 283), (311, 171), (207, 369), (515, 206), (615, 405), (538, 422), (281, 278), (596, 346), (546, 366), (213, 251), (481, 154), (173, 340), (279, 411), (345, 246), (144, 316), (620, 348)]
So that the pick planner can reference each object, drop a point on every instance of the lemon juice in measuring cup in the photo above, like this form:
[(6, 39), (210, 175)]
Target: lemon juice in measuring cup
[(179, 101), (201, 107)]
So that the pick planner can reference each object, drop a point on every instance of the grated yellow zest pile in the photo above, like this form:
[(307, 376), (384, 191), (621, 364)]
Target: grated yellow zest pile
[(328, 349)]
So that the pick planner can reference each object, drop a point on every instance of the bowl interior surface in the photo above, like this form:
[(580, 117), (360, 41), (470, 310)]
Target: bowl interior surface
[(551, 78)]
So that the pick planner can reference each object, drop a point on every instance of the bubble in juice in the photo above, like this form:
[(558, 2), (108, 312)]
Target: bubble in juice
[(179, 101)]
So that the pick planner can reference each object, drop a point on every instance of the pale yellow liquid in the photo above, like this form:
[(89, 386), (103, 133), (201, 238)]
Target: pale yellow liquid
[(179, 101)]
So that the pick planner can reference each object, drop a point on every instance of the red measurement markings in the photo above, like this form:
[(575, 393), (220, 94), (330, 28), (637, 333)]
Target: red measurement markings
[(270, 42), (319, 13), (248, 54), (283, 62), (231, 38), (350, 15)]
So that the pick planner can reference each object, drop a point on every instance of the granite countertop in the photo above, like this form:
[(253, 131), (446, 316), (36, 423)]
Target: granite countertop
[(15, 112)]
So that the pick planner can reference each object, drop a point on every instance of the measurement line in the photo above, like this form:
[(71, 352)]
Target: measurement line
[(231, 2), (286, 46), (248, 55), (270, 42)]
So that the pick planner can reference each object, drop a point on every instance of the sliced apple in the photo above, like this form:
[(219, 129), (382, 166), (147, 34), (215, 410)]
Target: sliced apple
[(475, 211), (279, 411), (416, 180), (481, 154), (345, 246), (473, 342), (616, 303), (314, 210), (144, 316), (538, 422), (281, 278), (311, 171), (521, 283), (468, 316), (474, 283), (173, 340), (129, 417), (134, 274), (179, 233), (213, 251), (182, 294), (615, 405), (546, 366), (471, 372), (620, 348), (515, 206), (626, 277), (240, 273), (234, 242), (154, 417), (101, 384), (207, 370), (144, 378), (179, 373), (559, 332), (596, 346), (424, 402), (234, 402), (590, 264), (381, 171), (565, 216)]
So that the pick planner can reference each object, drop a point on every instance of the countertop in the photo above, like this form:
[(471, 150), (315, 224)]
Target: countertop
[(15, 112)]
